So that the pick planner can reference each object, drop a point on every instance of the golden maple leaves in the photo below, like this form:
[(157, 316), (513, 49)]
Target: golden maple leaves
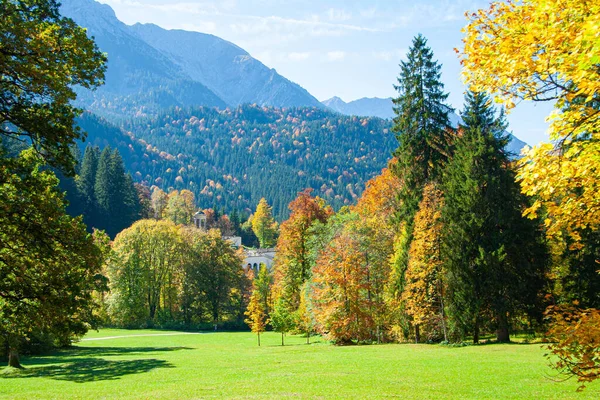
[(549, 50)]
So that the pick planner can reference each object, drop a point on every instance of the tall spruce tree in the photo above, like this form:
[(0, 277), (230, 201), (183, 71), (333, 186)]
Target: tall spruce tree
[(494, 257), (421, 123), (423, 131), (132, 202), (86, 181), (103, 185), (116, 199)]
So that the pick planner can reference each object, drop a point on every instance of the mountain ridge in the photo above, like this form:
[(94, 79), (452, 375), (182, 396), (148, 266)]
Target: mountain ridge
[(138, 76), (227, 69), (150, 68)]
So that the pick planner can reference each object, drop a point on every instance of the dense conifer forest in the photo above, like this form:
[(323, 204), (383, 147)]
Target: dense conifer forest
[(231, 159)]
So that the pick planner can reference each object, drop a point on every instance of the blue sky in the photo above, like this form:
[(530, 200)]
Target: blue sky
[(349, 49)]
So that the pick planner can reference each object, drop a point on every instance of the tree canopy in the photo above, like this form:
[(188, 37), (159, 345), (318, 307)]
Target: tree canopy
[(49, 264), (547, 50), (264, 225), (43, 57)]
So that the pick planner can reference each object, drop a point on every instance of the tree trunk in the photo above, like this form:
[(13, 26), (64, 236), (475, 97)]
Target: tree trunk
[(443, 315), (307, 337), (282, 339), (258, 339), (476, 331), (417, 334), (152, 312), (502, 335), (13, 358), (215, 314)]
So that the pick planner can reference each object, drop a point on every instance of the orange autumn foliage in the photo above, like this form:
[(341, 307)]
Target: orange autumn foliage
[(380, 197), (351, 273), (291, 266)]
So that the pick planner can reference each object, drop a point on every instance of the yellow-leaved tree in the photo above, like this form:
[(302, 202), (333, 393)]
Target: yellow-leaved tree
[(424, 288), (549, 50), (260, 302), (264, 225)]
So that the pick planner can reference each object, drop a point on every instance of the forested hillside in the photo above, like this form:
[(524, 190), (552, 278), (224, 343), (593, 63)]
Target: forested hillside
[(231, 159)]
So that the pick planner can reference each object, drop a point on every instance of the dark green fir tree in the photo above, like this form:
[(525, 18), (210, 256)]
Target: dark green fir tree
[(86, 181), (116, 197), (495, 259), (103, 185)]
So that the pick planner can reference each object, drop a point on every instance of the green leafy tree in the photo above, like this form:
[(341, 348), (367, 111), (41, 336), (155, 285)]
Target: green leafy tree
[(180, 207), (212, 273), (144, 272), (159, 201), (282, 318), (49, 264), (43, 57), (305, 319), (263, 284)]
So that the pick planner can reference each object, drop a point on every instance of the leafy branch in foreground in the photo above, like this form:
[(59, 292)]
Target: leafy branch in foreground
[(573, 350)]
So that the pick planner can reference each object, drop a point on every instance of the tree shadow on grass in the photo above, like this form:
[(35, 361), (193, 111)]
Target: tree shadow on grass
[(84, 364), (119, 351), (90, 370)]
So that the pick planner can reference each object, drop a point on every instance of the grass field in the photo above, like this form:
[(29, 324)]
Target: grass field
[(121, 364)]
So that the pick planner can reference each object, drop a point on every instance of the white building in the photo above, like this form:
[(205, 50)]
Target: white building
[(257, 256), (253, 257)]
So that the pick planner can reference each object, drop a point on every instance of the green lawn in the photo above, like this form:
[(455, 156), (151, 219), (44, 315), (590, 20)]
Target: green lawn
[(127, 365)]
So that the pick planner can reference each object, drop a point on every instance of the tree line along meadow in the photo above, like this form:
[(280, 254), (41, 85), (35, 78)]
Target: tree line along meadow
[(452, 242)]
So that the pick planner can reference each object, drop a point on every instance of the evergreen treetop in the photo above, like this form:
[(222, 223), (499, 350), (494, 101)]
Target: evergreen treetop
[(421, 124)]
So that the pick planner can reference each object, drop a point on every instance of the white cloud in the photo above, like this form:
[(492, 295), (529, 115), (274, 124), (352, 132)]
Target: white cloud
[(226, 9), (196, 7), (266, 57), (338, 15), (369, 12), (295, 56), (336, 55), (200, 26)]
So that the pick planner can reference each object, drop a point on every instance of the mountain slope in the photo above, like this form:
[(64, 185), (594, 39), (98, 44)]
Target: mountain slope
[(225, 68), (150, 68), (139, 77)]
